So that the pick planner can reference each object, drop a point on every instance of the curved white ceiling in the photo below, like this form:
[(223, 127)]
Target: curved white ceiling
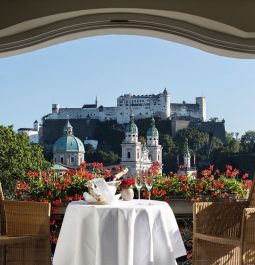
[(214, 36)]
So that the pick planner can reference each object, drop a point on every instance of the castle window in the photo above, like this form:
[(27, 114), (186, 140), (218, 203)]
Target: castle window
[(137, 155), (61, 159), (133, 135), (128, 155), (155, 139), (72, 159), (55, 159)]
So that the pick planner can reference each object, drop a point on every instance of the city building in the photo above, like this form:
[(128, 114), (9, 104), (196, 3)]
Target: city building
[(33, 133), (137, 156), (142, 106), (68, 149)]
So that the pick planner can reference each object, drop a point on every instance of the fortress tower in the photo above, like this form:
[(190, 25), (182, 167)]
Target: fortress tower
[(202, 107)]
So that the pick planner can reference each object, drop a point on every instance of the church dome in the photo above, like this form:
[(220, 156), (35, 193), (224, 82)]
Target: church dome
[(68, 143), (152, 131), (131, 127)]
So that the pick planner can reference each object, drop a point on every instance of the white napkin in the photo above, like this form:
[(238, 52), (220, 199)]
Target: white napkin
[(100, 192)]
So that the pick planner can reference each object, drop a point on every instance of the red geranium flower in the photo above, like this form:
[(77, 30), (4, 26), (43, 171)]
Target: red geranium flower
[(183, 178), (127, 183)]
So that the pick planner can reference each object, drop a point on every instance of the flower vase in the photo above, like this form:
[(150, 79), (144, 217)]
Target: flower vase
[(127, 194)]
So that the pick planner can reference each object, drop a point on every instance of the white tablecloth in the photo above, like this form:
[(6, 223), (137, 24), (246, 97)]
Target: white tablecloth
[(126, 233)]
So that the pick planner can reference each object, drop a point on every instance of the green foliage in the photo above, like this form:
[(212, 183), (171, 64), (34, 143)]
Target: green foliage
[(247, 143), (216, 144), (223, 153), (17, 156), (108, 158), (232, 144), (167, 143), (110, 133), (196, 139)]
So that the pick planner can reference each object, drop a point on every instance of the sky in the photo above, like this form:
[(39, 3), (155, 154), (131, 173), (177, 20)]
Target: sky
[(74, 73)]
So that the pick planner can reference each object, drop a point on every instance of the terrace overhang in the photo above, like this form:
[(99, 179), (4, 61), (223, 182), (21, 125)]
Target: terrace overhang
[(225, 27)]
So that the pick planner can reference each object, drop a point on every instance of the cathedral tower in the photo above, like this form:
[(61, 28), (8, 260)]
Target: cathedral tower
[(155, 150), (131, 148)]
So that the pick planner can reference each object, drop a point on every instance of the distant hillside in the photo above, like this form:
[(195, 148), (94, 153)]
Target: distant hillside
[(110, 134), (107, 133)]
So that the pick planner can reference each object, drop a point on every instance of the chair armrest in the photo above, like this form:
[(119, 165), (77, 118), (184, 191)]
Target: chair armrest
[(218, 218), (248, 226), (26, 218)]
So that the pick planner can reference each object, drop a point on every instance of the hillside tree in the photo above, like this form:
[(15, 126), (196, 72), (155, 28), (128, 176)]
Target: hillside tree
[(17, 156), (247, 143)]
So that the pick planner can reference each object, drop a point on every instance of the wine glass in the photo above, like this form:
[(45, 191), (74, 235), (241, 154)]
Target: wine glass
[(149, 183), (138, 183)]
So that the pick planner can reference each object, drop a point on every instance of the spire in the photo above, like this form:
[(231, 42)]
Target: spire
[(186, 148), (131, 127), (96, 101), (186, 155), (152, 131), (132, 117), (68, 129)]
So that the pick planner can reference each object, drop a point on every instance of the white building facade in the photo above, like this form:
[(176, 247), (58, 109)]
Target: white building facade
[(135, 155), (32, 133), (142, 106)]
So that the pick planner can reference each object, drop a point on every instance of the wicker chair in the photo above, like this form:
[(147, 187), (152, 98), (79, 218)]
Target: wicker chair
[(224, 233), (26, 241)]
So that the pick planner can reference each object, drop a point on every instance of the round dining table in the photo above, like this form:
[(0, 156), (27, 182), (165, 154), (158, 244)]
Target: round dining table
[(136, 232)]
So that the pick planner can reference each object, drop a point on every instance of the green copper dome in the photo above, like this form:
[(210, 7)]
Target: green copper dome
[(68, 143), (152, 131), (131, 127)]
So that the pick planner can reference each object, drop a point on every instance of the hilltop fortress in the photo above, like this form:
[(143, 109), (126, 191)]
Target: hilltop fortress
[(141, 106), (99, 125)]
